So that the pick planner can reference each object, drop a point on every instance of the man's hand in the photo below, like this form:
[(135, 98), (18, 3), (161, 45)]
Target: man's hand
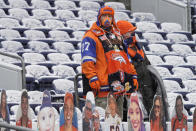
[(95, 86)]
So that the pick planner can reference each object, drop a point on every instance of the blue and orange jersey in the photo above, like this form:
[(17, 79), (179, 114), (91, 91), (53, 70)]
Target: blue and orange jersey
[(94, 62)]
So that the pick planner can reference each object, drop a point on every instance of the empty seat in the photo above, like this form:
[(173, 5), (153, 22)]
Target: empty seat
[(2, 12), (190, 85), (89, 5), (171, 27), (18, 13), (33, 57), (37, 71), (174, 60), (42, 14), (155, 60), (63, 71), (191, 60), (77, 57), (39, 46), (158, 49), (35, 97), (13, 96), (65, 5), (79, 69), (78, 35), (121, 16), (9, 34), (63, 47), (34, 35), (7, 59), (116, 5), (183, 73), (41, 4), (192, 97), (164, 72), (12, 46), (63, 85), (182, 49), (153, 37), (143, 16), (65, 15), (145, 26), (54, 24), (76, 25), (172, 86), (58, 58), (31, 23), (176, 38), (87, 15), (9, 23), (18, 4), (2, 4), (59, 35)]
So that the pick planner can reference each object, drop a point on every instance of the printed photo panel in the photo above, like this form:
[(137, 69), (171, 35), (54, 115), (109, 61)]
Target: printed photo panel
[(113, 121), (157, 118), (46, 115), (179, 116), (135, 114), (68, 116), (24, 110), (87, 115)]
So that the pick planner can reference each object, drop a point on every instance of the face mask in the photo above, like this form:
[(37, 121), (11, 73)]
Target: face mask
[(129, 40), (106, 22)]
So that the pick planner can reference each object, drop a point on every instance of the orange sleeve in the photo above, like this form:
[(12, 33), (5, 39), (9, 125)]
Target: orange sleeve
[(133, 71), (88, 68), (131, 52)]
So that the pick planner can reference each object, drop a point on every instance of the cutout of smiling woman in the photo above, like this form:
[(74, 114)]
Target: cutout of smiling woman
[(135, 114)]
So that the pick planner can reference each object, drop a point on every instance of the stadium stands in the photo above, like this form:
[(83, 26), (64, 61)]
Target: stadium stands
[(47, 34)]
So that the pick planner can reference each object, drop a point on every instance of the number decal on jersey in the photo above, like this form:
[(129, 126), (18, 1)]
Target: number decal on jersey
[(85, 46)]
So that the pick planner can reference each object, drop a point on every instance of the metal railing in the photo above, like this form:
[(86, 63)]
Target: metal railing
[(18, 128), (23, 66)]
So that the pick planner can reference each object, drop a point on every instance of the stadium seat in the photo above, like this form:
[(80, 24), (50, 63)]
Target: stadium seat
[(116, 5), (63, 47), (2, 12), (183, 73), (87, 15), (65, 5), (58, 58), (3, 5), (77, 25), (9, 34), (18, 13), (33, 58), (12, 46), (77, 57), (32, 23), (13, 96), (63, 71), (89, 5), (59, 35), (18, 4), (65, 15), (159, 49), (164, 72), (170, 27), (9, 23), (42, 14), (7, 59), (78, 35), (62, 86), (191, 97), (182, 49), (40, 4), (154, 38), (35, 97), (145, 26), (174, 60), (191, 60), (173, 86), (190, 85), (155, 59), (142, 16), (54, 24), (121, 16)]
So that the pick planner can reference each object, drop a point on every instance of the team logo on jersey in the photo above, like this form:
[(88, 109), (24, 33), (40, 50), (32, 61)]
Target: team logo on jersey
[(118, 57)]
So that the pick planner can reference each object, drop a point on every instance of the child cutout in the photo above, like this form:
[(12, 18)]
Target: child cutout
[(46, 115)]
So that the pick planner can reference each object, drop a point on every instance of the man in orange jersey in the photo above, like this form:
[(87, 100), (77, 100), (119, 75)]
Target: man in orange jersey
[(179, 120), (105, 65), (140, 62)]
